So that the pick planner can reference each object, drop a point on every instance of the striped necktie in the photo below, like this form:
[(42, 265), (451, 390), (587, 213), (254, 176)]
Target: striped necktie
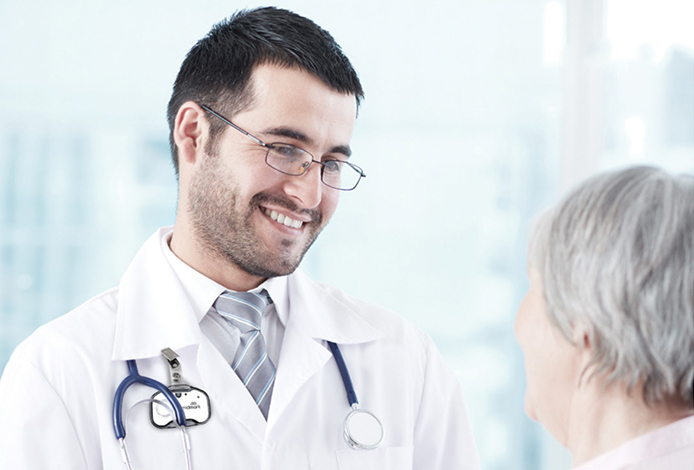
[(252, 365)]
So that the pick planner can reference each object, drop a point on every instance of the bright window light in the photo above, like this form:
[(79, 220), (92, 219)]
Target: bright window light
[(554, 34), (632, 24)]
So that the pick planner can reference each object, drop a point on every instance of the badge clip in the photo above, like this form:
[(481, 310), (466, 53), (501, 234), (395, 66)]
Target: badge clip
[(194, 401)]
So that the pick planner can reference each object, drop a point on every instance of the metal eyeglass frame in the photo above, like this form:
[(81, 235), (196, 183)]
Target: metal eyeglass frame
[(270, 147)]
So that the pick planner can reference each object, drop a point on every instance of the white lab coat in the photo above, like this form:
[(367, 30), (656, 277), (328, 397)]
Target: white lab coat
[(56, 393)]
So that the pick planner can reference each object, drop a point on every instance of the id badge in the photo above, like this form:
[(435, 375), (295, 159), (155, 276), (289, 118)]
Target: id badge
[(194, 401)]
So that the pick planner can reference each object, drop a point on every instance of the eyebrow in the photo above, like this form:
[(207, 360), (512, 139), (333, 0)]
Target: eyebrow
[(303, 138)]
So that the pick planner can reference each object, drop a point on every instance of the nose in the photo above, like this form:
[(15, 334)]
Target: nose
[(307, 189)]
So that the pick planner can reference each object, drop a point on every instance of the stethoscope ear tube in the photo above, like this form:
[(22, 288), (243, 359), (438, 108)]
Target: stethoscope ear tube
[(349, 388)]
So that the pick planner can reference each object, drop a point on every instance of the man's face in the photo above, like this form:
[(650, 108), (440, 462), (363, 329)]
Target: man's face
[(238, 205)]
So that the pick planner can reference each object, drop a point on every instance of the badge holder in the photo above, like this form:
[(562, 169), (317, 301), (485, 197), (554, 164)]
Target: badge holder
[(194, 401)]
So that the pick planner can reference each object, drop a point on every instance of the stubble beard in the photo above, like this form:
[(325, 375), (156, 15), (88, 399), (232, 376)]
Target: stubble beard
[(225, 231)]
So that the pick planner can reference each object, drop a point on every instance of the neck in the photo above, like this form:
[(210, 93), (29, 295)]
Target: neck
[(604, 418), (222, 271)]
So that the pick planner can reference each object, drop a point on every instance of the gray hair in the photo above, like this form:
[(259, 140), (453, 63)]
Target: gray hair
[(616, 258)]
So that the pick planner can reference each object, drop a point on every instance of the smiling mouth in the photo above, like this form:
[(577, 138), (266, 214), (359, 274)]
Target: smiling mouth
[(282, 219)]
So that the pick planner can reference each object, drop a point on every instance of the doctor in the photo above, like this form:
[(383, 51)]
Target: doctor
[(261, 118)]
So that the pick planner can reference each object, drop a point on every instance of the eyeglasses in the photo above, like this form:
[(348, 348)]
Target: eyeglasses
[(292, 160)]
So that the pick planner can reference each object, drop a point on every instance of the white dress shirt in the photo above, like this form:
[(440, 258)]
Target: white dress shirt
[(203, 291)]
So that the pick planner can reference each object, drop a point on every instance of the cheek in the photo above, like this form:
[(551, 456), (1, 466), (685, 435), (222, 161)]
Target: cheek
[(523, 330), (529, 406), (552, 377), (520, 325), (329, 201), (535, 375)]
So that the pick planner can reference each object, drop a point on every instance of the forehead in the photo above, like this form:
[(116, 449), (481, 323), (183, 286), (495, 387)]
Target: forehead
[(292, 98)]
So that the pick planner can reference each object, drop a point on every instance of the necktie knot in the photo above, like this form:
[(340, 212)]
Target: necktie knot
[(243, 309)]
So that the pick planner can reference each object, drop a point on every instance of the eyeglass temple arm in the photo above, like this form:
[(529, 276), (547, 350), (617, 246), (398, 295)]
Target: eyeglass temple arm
[(226, 121)]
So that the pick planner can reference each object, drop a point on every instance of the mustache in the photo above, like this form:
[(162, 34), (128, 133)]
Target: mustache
[(285, 202)]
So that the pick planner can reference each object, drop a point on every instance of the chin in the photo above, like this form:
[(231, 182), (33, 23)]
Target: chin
[(268, 265), (552, 420), (529, 408)]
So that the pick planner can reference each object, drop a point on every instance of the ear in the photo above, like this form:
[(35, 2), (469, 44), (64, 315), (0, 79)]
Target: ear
[(584, 340), (191, 129), (584, 349)]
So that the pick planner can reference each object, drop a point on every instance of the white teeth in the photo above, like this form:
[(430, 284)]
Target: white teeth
[(283, 219)]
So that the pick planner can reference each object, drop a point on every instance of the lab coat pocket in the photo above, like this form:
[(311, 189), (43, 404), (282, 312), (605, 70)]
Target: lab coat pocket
[(386, 458)]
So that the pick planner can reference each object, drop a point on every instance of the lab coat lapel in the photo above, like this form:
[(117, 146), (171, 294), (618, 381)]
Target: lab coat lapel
[(229, 398), (316, 315), (155, 313), (301, 357), (153, 310)]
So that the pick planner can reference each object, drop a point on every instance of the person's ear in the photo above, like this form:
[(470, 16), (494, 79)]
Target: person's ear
[(584, 349), (584, 340), (191, 128)]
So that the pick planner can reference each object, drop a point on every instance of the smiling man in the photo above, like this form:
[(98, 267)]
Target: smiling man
[(269, 369), (241, 218)]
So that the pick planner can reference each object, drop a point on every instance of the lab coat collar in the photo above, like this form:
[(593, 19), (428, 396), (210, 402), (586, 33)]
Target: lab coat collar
[(324, 313), (317, 313), (154, 311)]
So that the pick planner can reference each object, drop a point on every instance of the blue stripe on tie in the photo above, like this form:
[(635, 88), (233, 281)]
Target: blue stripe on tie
[(255, 368), (263, 299), (267, 386), (240, 319), (241, 301), (256, 333)]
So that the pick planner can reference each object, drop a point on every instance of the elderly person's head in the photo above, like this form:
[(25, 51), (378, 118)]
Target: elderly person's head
[(607, 327)]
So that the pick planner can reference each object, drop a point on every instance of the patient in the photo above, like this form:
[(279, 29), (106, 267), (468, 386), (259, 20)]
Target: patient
[(607, 326)]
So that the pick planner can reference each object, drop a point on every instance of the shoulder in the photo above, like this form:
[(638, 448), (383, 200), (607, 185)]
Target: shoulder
[(397, 330), (85, 333)]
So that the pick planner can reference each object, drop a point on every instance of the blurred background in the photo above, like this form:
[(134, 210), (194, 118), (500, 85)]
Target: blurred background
[(478, 114)]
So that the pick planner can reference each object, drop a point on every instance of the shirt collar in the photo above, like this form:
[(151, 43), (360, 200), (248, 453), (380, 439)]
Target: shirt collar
[(203, 291), (277, 288), (161, 301)]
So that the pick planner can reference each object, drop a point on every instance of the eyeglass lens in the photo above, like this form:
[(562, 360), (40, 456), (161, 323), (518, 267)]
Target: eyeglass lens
[(292, 160)]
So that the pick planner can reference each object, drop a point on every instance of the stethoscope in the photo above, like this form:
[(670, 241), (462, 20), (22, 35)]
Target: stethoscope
[(362, 430), (172, 405)]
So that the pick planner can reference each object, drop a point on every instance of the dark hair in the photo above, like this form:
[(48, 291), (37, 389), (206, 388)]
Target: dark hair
[(217, 69)]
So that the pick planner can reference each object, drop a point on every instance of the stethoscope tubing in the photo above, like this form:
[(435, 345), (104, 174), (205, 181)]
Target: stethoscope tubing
[(346, 379), (135, 377)]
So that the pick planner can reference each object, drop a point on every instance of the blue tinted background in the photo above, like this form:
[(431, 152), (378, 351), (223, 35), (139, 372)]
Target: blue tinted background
[(478, 114)]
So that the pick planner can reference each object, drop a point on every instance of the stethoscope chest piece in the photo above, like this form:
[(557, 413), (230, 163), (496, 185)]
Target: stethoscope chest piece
[(363, 430)]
